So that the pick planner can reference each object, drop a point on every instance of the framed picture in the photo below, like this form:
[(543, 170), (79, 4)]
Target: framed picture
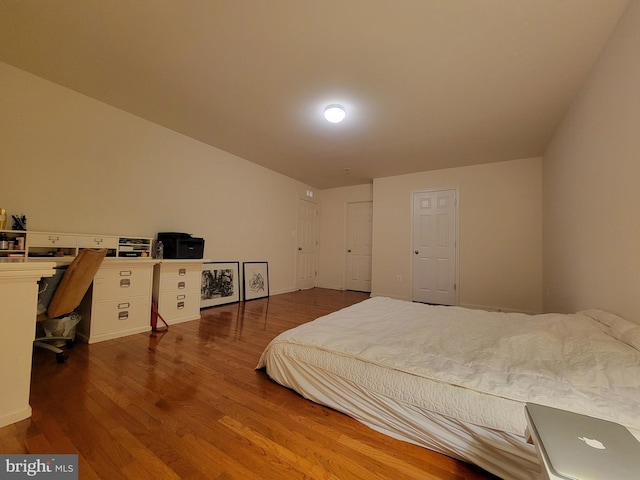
[(256, 280), (220, 283)]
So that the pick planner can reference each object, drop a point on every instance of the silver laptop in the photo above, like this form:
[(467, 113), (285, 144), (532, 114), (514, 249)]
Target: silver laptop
[(584, 448)]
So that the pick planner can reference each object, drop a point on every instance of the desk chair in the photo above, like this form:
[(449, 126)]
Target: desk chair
[(68, 295)]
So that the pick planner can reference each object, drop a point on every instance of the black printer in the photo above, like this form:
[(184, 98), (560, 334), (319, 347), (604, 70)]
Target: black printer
[(181, 245)]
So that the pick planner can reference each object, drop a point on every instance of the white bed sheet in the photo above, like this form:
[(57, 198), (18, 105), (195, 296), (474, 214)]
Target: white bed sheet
[(455, 380)]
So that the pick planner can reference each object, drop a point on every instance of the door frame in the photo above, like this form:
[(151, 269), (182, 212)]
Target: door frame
[(457, 239)]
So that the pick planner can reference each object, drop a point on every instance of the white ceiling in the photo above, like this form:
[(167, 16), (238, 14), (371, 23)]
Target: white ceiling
[(427, 84)]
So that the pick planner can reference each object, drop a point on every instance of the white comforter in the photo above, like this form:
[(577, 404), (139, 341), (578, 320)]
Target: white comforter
[(578, 362)]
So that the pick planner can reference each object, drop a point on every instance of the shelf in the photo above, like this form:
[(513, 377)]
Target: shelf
[(13, 253), (131, 247), (54, 245), (11, 236)]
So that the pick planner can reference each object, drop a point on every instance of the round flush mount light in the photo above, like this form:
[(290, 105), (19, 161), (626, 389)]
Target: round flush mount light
[(334, 113)]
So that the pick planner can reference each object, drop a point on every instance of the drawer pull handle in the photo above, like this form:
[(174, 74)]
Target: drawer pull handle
[(181, 297), (182, 272), (125, 273), (98, 240), (180, 305), (124, 305), (123, 315), (125, 283), (182, 285), (53, 238)]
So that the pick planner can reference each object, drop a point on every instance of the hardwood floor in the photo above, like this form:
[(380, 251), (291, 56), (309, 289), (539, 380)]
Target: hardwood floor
[(188, 404)]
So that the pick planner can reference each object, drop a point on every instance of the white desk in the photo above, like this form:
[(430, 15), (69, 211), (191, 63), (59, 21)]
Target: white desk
[(18, 303), (118, 302)]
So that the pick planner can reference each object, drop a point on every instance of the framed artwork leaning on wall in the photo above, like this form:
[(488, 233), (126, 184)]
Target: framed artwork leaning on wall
[(256, 280), (220, 283)]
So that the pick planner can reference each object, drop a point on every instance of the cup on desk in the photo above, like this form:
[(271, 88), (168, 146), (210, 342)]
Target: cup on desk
[(20, 243)]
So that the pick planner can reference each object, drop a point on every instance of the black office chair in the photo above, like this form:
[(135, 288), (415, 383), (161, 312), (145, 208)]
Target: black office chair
[(68, 295)]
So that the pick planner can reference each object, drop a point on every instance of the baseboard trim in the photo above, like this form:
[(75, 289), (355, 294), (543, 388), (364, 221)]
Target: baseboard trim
[(15, 416)]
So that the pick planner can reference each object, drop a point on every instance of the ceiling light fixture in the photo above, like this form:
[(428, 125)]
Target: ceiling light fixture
[(334, 113)]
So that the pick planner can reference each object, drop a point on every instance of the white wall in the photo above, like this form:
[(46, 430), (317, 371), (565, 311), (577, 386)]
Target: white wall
[(500, 233), (592, 187), (72, 164), (333, 222)]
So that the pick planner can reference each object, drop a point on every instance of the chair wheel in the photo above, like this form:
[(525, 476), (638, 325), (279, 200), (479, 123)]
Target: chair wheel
[(61, 357), (70, 343)]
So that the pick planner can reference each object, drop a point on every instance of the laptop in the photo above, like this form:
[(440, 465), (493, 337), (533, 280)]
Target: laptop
[(580, 447)]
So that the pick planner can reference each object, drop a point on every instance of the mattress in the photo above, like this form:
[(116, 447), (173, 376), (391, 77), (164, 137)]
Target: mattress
[(455, 380)]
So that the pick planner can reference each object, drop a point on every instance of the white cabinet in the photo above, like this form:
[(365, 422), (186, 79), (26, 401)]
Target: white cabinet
[(58, 240), (119, 302), (42, 244), (176, 289)]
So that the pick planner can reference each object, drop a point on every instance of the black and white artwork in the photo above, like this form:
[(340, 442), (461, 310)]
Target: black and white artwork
[(256, 280), (220, 283)]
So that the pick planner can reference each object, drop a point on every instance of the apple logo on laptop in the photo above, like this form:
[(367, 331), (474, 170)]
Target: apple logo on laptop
[(593, 443)]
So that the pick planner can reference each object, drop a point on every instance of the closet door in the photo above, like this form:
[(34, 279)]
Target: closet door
[(359, 246), (434, 247), (307, 255)]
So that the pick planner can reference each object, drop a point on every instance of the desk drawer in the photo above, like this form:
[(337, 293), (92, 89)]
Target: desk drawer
[(51, 240), (97, 241), (176, 305), (175, 278), (189, 283), (117, 315), (122, 282)]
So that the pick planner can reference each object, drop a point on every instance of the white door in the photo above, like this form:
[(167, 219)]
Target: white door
[(307, 235), (434, 247), (359, 235)]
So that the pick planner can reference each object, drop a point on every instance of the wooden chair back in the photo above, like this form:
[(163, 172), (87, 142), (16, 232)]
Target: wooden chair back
[(75, 282)]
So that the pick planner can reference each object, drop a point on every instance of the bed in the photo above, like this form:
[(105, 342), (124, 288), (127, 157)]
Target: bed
[(455, 380)]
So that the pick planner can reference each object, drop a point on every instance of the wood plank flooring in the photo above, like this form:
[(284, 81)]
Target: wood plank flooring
[(188, 404)]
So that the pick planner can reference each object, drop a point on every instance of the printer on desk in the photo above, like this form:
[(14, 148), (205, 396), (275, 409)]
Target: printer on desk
[(181, 245)]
